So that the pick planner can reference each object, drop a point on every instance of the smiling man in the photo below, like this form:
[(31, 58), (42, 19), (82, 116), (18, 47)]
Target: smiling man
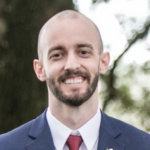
[(71, 58)]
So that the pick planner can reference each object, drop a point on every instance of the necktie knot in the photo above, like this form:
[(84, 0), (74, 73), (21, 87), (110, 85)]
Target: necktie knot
[(74, 142)]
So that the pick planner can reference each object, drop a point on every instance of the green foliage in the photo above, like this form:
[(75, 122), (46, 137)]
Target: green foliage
[(130, 93), (126, 88)]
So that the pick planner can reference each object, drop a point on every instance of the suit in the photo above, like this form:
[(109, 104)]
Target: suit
[(36, 135)]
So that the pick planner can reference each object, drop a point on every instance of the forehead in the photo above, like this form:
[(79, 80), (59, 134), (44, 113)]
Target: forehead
[(69, 30), (70, 27)]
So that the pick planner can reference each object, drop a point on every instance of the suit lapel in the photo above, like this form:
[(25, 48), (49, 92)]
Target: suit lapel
[(41, 135), (109, 132)]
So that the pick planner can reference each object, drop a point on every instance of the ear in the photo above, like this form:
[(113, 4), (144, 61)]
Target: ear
[(104, 62), (39, 70)]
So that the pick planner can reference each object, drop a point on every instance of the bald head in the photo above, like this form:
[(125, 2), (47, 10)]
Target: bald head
[(56, 20)]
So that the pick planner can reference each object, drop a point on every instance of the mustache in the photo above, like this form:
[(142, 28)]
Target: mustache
[(67, 74)]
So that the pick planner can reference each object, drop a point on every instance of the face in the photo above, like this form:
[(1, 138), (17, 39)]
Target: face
[(71, 60)]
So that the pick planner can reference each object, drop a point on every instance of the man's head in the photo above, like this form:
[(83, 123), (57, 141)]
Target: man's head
[(71, 57)]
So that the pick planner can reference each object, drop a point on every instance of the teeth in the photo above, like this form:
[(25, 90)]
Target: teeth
[(73, 81)]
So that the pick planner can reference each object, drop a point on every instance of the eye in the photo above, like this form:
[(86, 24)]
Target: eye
[(84, 53), (56, 56)]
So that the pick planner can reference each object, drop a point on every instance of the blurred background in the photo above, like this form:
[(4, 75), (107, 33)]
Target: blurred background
[(124, 91)]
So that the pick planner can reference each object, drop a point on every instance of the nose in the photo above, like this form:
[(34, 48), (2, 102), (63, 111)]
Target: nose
[(72, 62)]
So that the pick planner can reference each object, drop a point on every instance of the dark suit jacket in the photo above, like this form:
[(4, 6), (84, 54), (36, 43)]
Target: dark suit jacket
[(36, 135)]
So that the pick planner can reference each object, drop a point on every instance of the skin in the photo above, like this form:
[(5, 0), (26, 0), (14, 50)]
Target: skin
[(70, 42)]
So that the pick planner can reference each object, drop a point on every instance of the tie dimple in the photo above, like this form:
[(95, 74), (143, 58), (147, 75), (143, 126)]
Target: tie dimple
[(74, 142)]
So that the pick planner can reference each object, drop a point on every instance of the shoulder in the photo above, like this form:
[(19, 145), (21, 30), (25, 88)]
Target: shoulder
[(16, 137), (133, 136), (20, 137), (128, 129), (127, 134)]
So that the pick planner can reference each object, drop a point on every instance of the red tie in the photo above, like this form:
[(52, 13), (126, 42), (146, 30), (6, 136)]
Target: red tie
[(74, 142)]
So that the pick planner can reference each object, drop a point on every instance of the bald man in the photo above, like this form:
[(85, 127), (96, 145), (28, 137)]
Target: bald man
[(70, 60)]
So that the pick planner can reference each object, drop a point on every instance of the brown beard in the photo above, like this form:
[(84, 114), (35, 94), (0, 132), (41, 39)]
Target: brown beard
[(76, 99)]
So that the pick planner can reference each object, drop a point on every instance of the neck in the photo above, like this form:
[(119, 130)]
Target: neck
[(74, 117)]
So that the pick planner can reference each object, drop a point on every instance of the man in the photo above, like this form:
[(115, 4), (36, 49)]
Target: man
[(70, 60)]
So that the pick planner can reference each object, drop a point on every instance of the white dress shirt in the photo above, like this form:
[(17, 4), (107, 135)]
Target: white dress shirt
[(89, 132)]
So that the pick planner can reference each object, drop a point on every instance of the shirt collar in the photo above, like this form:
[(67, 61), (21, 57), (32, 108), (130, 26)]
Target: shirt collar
[(90, 130), (60, 133)]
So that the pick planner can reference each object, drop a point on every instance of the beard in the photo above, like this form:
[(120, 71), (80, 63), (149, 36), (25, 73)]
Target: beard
[(76, 99)]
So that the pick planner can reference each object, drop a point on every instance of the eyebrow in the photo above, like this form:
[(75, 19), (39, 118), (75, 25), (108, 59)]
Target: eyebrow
[(55, 48), (84, 45)]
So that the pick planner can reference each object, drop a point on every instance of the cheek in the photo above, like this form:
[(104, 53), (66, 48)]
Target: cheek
[(92, 66), (54, 70)]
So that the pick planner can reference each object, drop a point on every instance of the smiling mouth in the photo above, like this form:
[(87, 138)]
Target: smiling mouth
[(73, 80)]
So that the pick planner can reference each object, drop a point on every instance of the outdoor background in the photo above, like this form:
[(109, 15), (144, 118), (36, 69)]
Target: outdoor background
[(125, 28)]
